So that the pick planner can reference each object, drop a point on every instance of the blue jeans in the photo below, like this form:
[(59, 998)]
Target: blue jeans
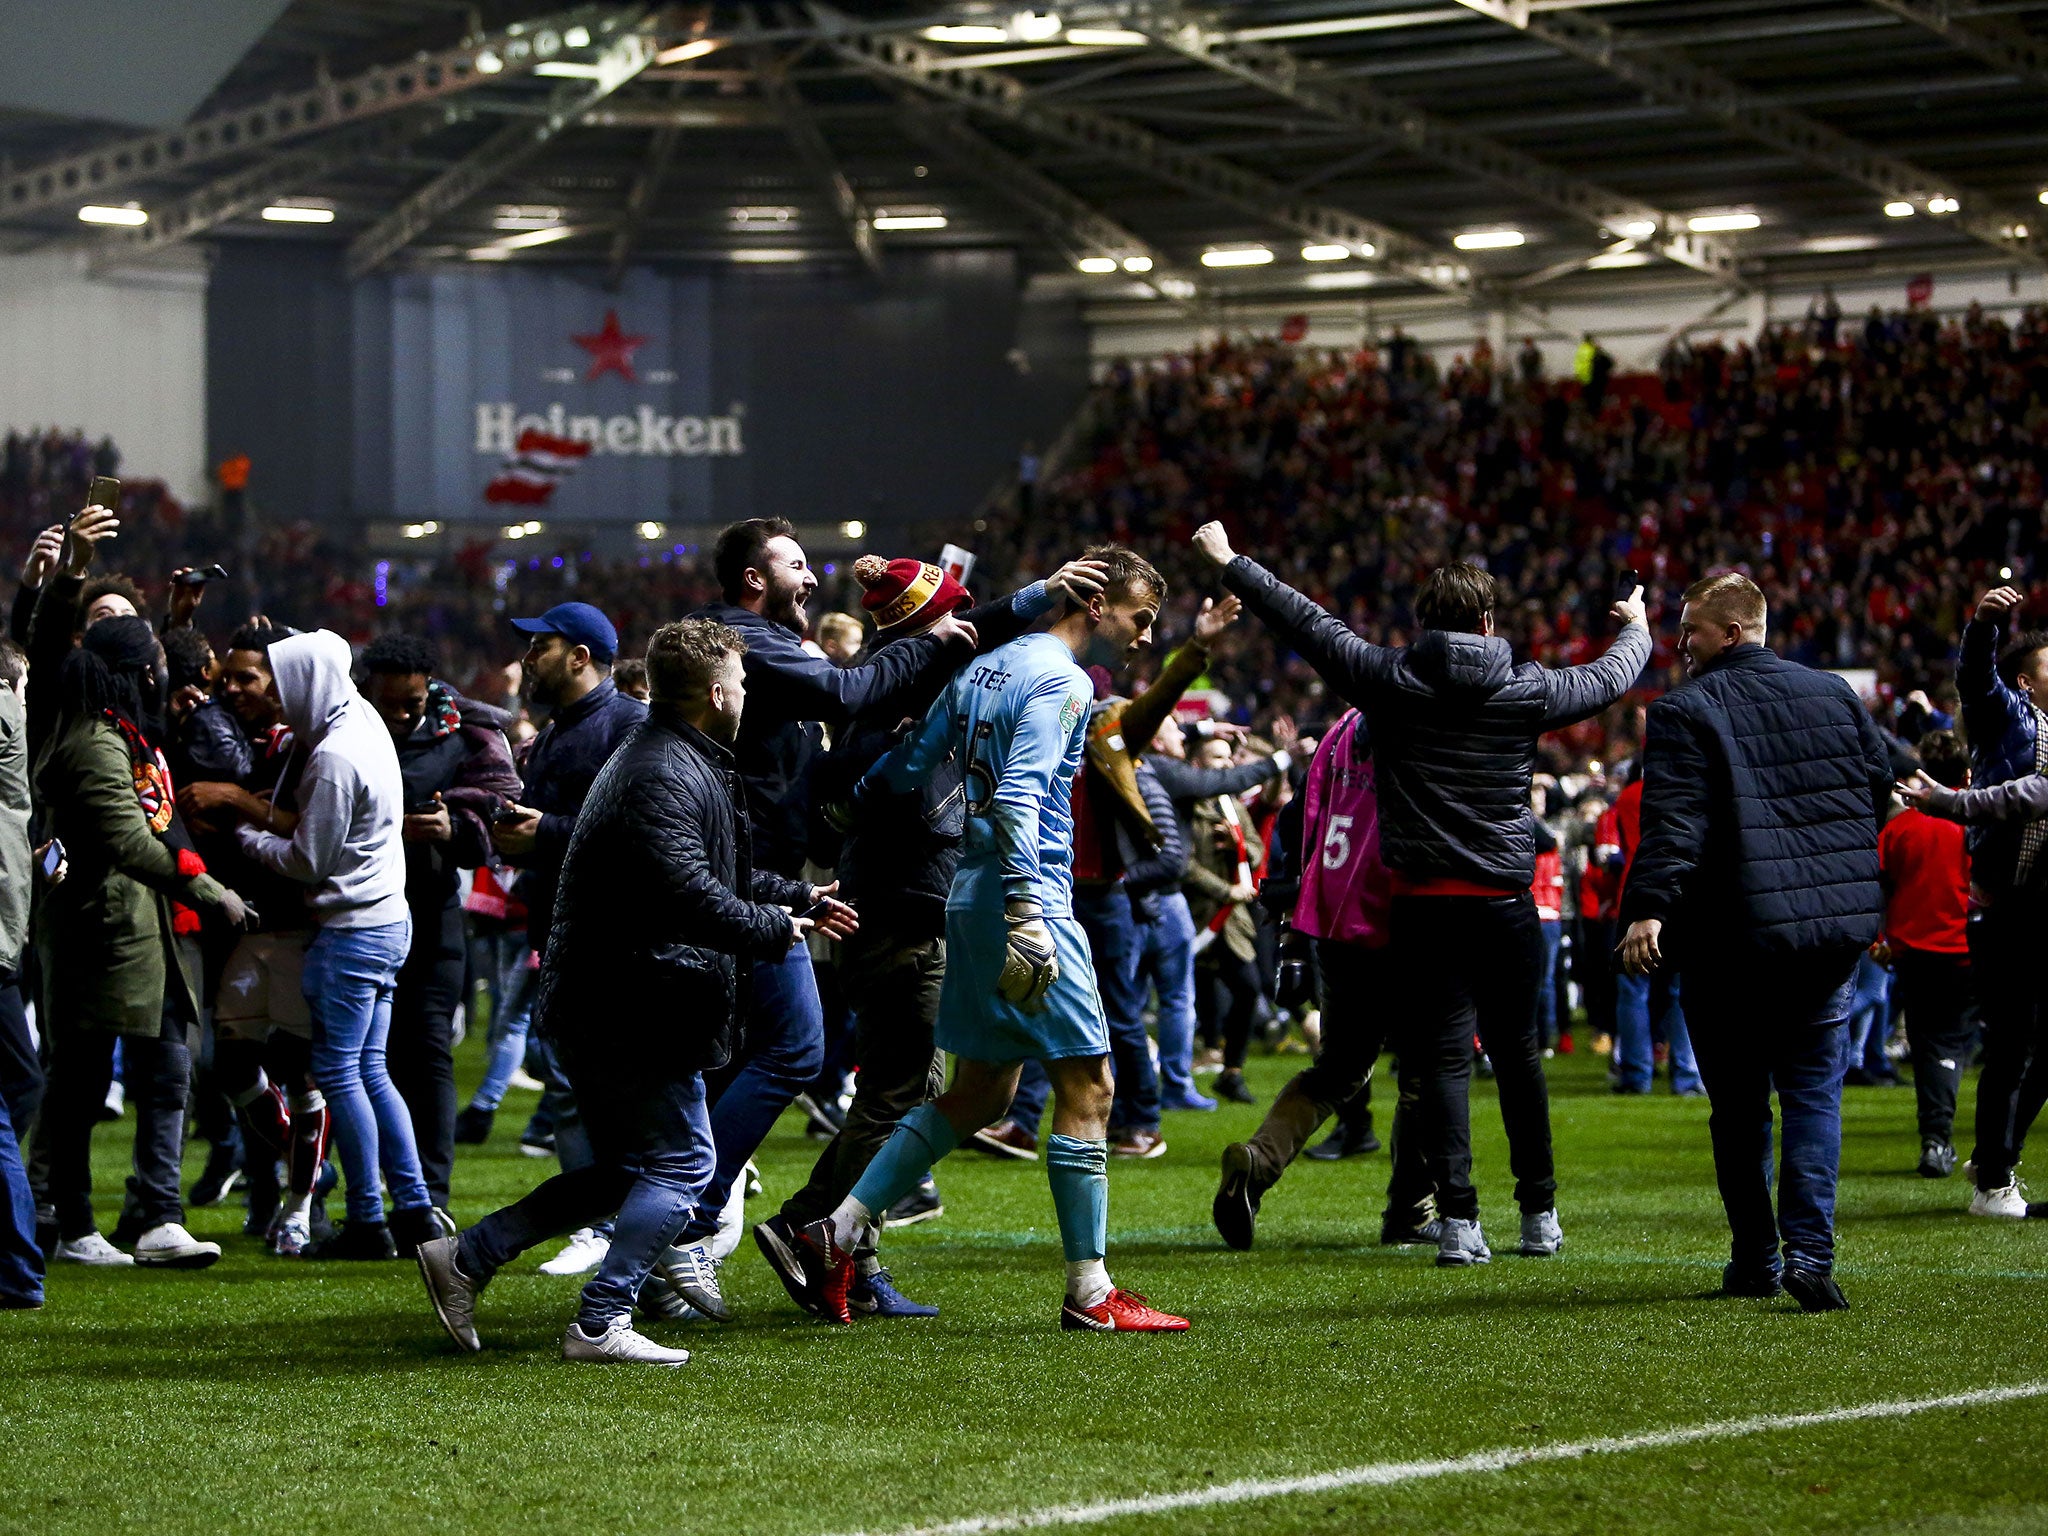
[(1166, 959), (785, 1047), (1781, 1028), (1637, 1001), (1551, 931), (651, 1139), (350, 979), (1870, 1013), (1113, 939), (21, 1260), (517, 983)]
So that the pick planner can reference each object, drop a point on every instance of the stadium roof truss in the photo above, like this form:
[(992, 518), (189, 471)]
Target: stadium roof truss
[(1181, 151)]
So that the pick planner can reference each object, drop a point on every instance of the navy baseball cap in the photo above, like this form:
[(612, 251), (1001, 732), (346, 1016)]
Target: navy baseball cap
[(577, 623)]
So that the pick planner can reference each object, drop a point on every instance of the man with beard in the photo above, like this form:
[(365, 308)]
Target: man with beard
[(790, 693), (658, 903), (1020, 981), (457, 769), (568, 668)]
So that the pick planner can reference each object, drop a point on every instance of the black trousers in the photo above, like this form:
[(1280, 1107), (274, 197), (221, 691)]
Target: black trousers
[(1471, 964), (1362, 1008), (158, 1072), (1934, 991), (891, 981), (2004, 958), (422, 1047), (1226, 1000)]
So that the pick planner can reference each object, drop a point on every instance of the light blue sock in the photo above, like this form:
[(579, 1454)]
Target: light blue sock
[(1079, 1173), (920, 1139)]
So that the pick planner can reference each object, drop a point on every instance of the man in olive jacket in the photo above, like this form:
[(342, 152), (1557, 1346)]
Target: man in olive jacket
[(116, 941), (658, 903)]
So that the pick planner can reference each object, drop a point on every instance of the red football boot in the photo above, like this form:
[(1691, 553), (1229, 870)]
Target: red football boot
[(829, 1269), (1120, 1312)]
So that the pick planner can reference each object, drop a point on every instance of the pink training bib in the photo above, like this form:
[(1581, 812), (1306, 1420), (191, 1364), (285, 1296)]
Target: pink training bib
[(1345, 889)]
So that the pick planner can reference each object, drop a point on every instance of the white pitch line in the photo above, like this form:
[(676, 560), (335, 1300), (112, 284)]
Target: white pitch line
[(1386, 1473)]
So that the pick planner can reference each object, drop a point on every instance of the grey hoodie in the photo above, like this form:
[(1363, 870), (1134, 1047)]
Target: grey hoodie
[(347, 846)]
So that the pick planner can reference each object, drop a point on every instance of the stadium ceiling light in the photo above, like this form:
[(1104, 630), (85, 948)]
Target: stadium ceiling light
[(577, 37), (1105, 37), (652, 532), (1137, 263), (1637, 229), (1293, 29), (1096, 264), (96, 213), (488, 62), (526, 216), (1489, 239), (1899, 210), (420, 530), (522, 530), (1237, 256), (1325, 253), (298, 213), (761, 256), (966, 35), (853, 528), (2043, 198), (534, 237), (1035, 26), (1342, 277), (1722, 223), (909, 218), (563, 69), (682, 53), (1943, 205)]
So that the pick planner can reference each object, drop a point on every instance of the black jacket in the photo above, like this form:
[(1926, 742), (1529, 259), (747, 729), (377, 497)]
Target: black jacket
[(209, 745), (790, 693), (657, 902), (1185, 784), (459, 752), (561, 764), (898, 858), (1150, 876), (1764, 785), (1454, 727)]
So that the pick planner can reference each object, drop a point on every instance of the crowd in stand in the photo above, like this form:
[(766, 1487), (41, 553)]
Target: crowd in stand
[(256, 879)]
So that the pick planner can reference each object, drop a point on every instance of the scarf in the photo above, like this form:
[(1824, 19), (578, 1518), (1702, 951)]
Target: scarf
[(157, 797)]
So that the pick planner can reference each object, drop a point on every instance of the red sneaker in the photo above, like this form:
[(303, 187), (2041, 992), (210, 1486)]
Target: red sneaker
[(829, 1268), (1120, 1312)]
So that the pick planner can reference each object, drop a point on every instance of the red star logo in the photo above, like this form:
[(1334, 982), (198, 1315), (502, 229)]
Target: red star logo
[(611, 348)]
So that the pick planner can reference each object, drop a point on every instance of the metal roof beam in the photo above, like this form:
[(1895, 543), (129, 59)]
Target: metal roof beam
[(504, 150), (1351, 101), (1078, 227), (1668, 77), (855, 217), (661, 148), (2005, 47), (229, 197), (292, 114), (1112, 138)]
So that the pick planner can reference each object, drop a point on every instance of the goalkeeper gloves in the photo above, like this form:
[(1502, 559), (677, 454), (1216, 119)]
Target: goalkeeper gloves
[(1029, 963)]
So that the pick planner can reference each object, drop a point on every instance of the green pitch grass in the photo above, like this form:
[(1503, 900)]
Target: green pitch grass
[(264, 1395)]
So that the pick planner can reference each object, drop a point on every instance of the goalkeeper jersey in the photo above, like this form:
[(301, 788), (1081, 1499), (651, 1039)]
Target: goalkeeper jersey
[(1017, 718)]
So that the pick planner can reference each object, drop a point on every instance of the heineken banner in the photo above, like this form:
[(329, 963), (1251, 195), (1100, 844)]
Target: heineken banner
[(467, 393)]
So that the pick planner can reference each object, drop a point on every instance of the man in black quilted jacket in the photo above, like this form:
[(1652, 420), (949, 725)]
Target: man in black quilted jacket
[(1454, 726), (658, 905), (1764, 786)]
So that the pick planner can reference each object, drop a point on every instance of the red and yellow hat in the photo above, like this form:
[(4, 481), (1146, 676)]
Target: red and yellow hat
[(906, 596)]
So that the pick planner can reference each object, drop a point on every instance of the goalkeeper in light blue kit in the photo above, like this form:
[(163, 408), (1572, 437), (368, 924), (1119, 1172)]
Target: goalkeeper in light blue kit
[(1019, 982)]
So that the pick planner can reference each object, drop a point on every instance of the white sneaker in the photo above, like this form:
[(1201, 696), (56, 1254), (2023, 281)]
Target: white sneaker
[(2010, 1201), (584, 1251), (525, 1081), (117, 1099), (1462, 1243), (619, 1342), (1541, 1235), (93, 1248), (170, 1246), (694, 1274), (291, 1237)]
